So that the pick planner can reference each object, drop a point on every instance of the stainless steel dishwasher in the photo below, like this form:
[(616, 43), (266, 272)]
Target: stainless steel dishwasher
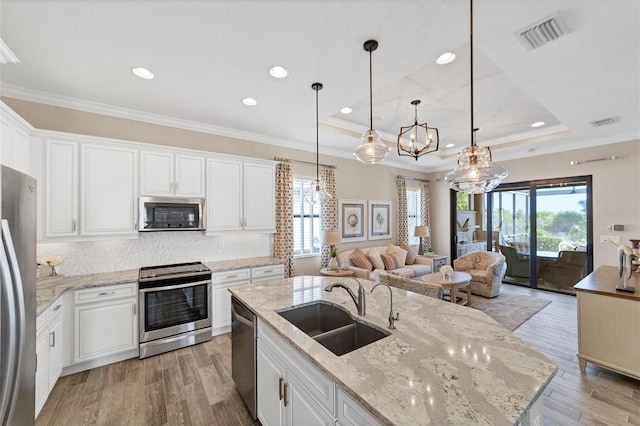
[(243, 353)]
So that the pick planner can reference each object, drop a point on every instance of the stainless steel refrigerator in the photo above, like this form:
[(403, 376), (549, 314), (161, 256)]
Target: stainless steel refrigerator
[(17, 298)]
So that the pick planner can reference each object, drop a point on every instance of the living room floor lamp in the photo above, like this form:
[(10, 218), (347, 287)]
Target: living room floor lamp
[(421, 232), (331, 239)]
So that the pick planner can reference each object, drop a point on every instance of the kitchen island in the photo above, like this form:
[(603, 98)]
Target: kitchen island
[(443, 364)]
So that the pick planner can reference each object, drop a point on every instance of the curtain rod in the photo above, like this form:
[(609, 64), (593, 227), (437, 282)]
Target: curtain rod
[(412, 178), (288, 160)]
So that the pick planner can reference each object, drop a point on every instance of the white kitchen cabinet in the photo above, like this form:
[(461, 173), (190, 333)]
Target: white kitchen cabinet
[(49, 347), (106, 321), (350, 413), (14, 140), (170, 174), (42, 367), (108, 190), (61, 183), (240, 195)]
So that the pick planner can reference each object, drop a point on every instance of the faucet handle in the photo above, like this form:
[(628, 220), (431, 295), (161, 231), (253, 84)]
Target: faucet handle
[(397, 317)]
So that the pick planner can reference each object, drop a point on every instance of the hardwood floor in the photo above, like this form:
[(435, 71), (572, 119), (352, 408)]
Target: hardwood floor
[(193, 386)]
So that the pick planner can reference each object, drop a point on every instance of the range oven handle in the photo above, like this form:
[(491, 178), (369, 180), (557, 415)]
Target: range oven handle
[(173, 287), (239, 317)]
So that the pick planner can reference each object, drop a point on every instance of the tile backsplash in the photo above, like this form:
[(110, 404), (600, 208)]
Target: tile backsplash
[(157, 248)]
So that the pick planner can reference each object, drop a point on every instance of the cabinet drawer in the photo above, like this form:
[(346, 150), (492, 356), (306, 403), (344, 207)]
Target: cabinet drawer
[(97, 294), (263, 272), (351, 413), (56, 308), (229, 276)]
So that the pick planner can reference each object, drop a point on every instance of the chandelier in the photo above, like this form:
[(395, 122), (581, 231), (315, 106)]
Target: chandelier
[(317, 193), (421, 138), (475, 172), (371, 150)]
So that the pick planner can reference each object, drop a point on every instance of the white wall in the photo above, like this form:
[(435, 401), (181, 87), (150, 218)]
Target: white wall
[(616, 192)]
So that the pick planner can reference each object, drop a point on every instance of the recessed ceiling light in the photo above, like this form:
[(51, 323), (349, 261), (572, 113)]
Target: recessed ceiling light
[(278, 72), (450, 145), (346, 110), (446, 58), (249, 102), (538, 124), (142, 73)]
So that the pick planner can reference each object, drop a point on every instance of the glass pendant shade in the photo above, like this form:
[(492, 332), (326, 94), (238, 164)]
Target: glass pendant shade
[(371, 150), (475, 173), (317, 193)]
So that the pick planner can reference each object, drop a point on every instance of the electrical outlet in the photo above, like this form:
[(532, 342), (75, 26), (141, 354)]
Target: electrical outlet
[(612, 238)]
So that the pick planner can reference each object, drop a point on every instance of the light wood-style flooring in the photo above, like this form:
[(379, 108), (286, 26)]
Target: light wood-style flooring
[(193, 386)]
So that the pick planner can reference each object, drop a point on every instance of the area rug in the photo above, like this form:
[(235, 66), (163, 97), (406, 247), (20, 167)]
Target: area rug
[(510, 310)]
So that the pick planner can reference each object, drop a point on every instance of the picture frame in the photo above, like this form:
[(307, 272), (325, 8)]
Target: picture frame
[(380, 219), (352, 220)]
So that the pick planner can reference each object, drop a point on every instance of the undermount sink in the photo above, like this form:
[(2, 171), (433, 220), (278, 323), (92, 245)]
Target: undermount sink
[(333, 327)]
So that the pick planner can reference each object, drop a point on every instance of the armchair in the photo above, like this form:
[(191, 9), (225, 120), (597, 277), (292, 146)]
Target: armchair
[(517, 264), (487, 270), (568, 269)]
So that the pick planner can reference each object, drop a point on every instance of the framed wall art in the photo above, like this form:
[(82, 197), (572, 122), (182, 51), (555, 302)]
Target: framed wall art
[(352, 219), (379, 220)]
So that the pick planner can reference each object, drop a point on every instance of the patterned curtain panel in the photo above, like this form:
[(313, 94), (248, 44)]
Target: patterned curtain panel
[(283, 238), (329, 209), (425, 217), (403, 231)]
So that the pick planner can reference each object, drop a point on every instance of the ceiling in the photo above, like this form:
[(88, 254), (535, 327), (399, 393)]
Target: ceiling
[(208, 55)]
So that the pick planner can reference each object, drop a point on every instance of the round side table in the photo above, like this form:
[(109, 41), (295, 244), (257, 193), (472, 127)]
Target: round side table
[(458, 281), (338, 273)]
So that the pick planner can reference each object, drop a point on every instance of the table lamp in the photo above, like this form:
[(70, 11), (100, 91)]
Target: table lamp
[(331, 239), (421, 232)]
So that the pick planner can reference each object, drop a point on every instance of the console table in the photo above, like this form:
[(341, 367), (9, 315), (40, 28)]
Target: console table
[(608, 322)]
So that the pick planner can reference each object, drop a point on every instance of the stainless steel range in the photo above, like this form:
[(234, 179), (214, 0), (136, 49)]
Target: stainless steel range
[(175, 307)]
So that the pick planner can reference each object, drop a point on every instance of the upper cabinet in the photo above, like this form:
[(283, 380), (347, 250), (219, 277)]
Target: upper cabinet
[(14, 141), (240, 195), (168, 174), (61, 194)]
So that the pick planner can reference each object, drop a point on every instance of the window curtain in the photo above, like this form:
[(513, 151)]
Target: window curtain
[(425, 217), (329, 210), (283, 238), (403, 231)]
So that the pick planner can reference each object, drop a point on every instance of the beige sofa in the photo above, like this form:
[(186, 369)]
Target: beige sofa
[(421, 266)]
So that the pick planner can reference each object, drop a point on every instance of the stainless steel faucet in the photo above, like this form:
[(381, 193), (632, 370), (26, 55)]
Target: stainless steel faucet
[(361, 304), (392, 318)]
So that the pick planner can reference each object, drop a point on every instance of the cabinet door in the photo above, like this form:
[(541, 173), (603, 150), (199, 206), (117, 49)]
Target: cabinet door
[(42, 369), (224, 195), (222, 304), (302, 409), (56, 345), (105, 328), (270, 382), (61, 193), (189, 176), (108, 190), (14, 145), (259, 196), (157, 173)]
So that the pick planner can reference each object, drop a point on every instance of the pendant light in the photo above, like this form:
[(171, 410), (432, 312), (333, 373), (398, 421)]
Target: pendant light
[(371, 150), (475, 172), (316, 193), (421, 138)]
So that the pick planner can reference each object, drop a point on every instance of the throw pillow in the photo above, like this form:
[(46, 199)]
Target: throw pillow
[(359, 258), (399, 254), (375, 259), (412, 255), (389, 261)]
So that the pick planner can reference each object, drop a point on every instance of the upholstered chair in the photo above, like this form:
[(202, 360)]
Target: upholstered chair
[(487, 270), (420, 287), (517, 264)]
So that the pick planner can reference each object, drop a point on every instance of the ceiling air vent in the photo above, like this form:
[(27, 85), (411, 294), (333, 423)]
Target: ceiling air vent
[(543, 32), (605, 121)]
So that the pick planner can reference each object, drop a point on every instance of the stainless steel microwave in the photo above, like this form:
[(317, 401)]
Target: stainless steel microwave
[(172, 214)]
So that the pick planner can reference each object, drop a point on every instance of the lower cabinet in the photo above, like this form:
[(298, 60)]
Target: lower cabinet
[(106, 321), (49, 347)]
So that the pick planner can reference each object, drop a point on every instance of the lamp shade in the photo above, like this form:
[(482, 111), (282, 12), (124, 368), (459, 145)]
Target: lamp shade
[(330, 238), (421, 231)]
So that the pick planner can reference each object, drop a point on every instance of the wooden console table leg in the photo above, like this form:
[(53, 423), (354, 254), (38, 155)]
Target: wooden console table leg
[(469, 295)]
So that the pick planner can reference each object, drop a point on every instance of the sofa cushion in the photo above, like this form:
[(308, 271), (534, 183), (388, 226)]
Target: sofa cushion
[(375, 258), (411, 254), (399, 254), (419, 269), (405, 271), (359, 259)]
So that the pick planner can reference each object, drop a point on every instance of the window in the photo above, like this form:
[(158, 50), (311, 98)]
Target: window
[(306, 221), (413, 214)]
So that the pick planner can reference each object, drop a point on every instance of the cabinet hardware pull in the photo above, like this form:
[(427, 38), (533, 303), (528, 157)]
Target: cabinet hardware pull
[(52, 339), (232, 276), (285, 393), (106, 293), (57, 307), (267, 272), (135, 309), (280, 380)]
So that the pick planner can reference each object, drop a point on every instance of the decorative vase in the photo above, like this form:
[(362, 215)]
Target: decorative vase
[(333, 264)]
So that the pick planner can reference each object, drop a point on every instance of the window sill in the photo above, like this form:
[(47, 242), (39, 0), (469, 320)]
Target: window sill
[(305, 256)]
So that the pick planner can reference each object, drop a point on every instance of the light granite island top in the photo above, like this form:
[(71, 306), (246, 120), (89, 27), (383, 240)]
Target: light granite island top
[(443, 364)]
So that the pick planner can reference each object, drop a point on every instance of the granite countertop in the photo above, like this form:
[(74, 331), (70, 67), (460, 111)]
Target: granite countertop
[(50, 288), (444, 364)]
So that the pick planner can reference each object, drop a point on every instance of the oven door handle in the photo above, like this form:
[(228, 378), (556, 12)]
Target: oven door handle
[(240, 318), (173, 287)]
